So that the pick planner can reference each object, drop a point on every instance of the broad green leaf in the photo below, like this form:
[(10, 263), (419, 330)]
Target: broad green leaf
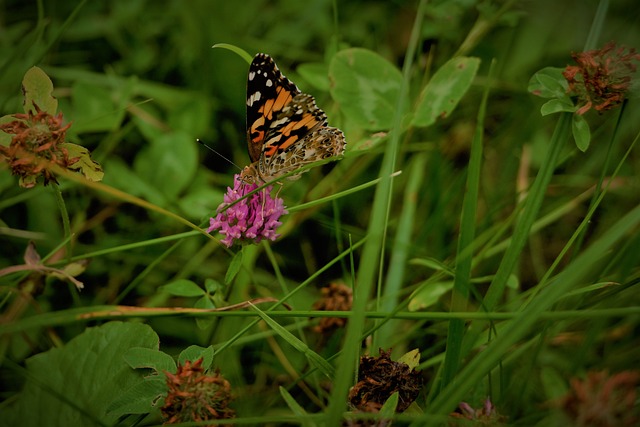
[(85, 164), (141, 398), (37, 88), (411, 358), (193, 116), (142, 357), (197, 203), (581, 132), (94, 109), (73, 385), (557, 105), (195, 352), (429, 295), (366, 86), (168, 162), (234, 267), (316, 74), (548, 83), (183, 288), (122, 177), (445, 89)]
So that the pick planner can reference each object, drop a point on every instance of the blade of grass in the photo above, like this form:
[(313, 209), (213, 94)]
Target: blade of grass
[(400, 252), (521, 325), (462, 278), (371, 252), (314, 358)]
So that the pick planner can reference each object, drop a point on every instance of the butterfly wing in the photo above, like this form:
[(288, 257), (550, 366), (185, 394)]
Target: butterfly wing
[(285, 128), (268, 93), (299, 136)]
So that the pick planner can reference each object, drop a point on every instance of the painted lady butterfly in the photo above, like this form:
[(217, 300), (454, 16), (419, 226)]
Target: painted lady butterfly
[(285, 128)]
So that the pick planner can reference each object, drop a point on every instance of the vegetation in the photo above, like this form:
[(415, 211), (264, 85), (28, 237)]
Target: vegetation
[(472, 259)]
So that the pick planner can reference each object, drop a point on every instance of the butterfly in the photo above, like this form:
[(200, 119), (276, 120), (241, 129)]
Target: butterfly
[(285, 128)]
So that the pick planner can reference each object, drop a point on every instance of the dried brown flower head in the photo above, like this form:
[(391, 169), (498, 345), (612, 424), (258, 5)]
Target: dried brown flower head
[(335, 297), (602, 77), (380, 377), (196, 396), (487, 415), (35, 146), (603, 400)]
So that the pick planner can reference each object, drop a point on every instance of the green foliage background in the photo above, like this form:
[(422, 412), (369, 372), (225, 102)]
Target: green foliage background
[(140, 82)]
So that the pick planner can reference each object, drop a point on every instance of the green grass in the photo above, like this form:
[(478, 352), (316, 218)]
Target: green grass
[(469, 226)]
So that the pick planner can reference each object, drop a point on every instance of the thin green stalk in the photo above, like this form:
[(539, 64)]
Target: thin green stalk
[(115, 312), (64, 214), (596, 25), (144, 273), (603, 174)]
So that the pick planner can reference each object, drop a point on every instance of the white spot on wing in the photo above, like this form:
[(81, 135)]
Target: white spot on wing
[(253, 98)]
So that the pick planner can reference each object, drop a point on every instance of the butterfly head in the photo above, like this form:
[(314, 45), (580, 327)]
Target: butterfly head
[(250, 175)]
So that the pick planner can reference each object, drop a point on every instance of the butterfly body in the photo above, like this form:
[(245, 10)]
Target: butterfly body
[(285, 128)]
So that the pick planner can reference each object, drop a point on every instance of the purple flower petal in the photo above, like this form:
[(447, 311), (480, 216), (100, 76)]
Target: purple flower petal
[(251, 219)]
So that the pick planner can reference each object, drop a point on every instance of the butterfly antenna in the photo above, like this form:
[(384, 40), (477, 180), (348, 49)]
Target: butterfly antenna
[(211, 149)]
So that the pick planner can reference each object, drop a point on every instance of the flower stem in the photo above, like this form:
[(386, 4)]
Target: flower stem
[(65, 219)]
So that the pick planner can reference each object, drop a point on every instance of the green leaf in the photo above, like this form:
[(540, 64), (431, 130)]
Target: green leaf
[(94, 109), (168, 162), (295, 407), (122, 177), (212, 286), (234, 267), (432, 263), (204, 302), (5, 138), (428, 295), (74, 384), (581, 132), (37, 88), (411, 358), (314, 358), (388, 409), (548, 83), (445, 89), (241, 52), (316, 74), (557, 105), (195, 352), (141, 398), (141, 357), (183, 288), (367, 86), (553, 383), (85, 164)]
